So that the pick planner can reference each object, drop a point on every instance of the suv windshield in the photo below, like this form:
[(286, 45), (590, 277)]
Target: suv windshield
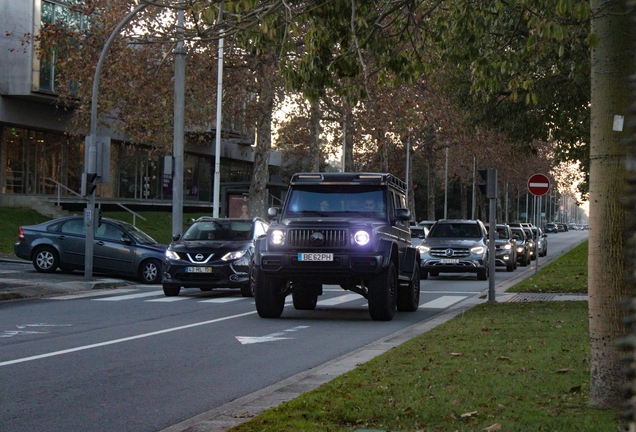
[(460, 230), (335, 200), (220, 230)]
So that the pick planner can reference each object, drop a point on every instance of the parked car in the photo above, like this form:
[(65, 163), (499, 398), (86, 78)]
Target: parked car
[(551, 228), (455, 246), (523, 247), (541, 240), (505, 248), (119, 248), (212, 253)]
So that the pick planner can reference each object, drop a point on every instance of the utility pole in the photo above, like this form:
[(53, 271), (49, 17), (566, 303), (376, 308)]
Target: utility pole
[(179, 114)]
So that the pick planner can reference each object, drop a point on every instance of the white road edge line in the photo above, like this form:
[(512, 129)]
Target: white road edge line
[(116, 341)]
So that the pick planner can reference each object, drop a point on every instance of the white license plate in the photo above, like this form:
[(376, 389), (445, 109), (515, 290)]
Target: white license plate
[(450, 260), (198, 269), (315, 257)]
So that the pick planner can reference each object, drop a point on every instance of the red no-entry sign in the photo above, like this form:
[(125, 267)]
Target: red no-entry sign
[(538, 184)]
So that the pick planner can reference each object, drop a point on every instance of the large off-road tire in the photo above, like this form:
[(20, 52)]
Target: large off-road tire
[(305, 296), (268, 295), (171, 290), (383, 293), (45, 259), (408, 296), (150, 271)]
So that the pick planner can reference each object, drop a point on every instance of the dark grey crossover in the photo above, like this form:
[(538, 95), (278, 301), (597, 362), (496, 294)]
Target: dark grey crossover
[(212, 253), (119, 248), (346, 229)]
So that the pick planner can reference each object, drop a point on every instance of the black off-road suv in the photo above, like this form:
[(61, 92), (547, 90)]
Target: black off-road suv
[(347, 229)]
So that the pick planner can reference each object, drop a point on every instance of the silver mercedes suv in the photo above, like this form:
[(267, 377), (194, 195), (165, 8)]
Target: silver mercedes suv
[(455, 246)]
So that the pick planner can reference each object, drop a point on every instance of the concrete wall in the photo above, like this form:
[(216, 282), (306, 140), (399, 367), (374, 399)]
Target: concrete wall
[(16, 21)]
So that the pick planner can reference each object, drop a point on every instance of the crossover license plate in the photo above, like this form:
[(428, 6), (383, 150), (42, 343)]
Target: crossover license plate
[(315, 257), (450, 260), (198, 269)]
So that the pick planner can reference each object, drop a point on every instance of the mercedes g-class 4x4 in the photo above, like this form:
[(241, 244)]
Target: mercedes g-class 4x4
[(347, 229)]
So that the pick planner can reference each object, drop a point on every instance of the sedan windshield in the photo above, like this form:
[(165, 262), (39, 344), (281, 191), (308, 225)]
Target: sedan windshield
[(139, 236)]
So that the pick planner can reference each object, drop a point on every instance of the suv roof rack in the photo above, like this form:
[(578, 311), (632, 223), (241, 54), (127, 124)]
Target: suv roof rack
[(348, 178)]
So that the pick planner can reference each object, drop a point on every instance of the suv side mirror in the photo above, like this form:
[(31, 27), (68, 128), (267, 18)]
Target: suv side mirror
[(403, 214), (176, 237), (272, 212)]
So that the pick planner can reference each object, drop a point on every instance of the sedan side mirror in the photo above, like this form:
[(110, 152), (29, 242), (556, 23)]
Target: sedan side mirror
[(176, 237)]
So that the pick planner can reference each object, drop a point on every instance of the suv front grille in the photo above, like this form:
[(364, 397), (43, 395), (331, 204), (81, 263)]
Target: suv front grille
[(303, 238), (449, 252)]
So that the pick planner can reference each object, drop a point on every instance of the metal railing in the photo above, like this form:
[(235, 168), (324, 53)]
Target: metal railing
[(59, 187), (133, 213)]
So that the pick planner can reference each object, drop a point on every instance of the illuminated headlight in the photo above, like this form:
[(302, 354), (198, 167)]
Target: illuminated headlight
[(172, 255), (520, 249), (423, 249), (233, 255), (507, 247), (361, 238), (478, 250), (277, 237), (530, 245)]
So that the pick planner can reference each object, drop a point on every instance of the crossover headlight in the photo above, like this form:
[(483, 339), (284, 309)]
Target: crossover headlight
[(478, 250), (172, 255), (277, 237), (520, 249), (361, 238), (423, 249), (233, 255), (507, 247)]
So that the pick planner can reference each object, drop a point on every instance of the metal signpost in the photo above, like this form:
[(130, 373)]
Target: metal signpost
[(538, 185)]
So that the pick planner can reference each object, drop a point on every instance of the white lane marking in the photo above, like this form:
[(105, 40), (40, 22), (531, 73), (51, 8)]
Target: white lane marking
[(126, 339), (246, 340), (443, 302), (132, 296), (221, 300), (97, 293), (11, 333), (167, 299), (338, 300)]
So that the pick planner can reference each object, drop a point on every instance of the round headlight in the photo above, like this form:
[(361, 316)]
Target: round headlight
[(519, 248), (361, 238), (507, 246), (277, 237)]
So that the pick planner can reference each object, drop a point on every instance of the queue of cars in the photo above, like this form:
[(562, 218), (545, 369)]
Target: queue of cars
[(217, 252)]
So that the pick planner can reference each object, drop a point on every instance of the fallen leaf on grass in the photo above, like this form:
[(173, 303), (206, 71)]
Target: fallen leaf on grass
[(576, 389), (455, 402), (563, 371), (456, 354), (484, 330), (503, 358), (493, 427), (469, 414)]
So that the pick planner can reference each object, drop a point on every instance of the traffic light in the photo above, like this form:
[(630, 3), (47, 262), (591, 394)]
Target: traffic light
[(89, 183), (488, 185), (98, 220)]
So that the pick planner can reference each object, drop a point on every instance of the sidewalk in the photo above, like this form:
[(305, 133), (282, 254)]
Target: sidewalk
[(16, 285)]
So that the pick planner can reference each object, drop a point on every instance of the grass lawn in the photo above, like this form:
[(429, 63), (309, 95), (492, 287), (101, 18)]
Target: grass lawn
[(568, 274)]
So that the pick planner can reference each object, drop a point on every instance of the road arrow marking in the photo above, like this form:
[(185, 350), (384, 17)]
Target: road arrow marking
[(246, 340)]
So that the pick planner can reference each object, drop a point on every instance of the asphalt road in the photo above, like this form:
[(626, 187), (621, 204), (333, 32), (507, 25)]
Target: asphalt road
[(132, 359)]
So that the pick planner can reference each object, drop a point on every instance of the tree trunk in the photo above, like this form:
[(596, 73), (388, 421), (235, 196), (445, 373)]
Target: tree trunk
[(347, 127), (315, 115), (383, 153), (260, 175), (612, 63)]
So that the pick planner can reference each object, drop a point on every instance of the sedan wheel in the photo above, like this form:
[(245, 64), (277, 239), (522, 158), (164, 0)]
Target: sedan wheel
[(150, 271), (45, 260)]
